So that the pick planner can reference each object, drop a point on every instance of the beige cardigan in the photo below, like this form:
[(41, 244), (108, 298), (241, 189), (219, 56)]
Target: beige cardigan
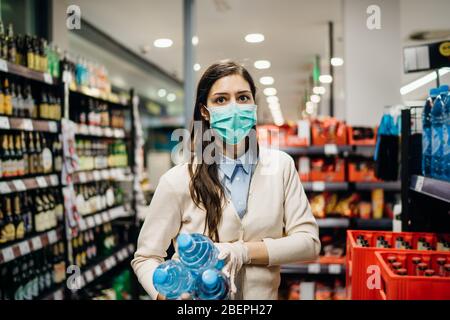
[(278, 213)]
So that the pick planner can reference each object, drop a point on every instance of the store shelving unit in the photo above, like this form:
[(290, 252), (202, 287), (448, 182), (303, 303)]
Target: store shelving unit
[(27, 73), (100, 218), (314, 268), (115, 174), (319, 186), (23, 184)]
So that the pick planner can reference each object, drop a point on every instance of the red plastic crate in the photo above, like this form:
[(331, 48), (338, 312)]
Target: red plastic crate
[(358, 259), (361, 142), (410, 286)]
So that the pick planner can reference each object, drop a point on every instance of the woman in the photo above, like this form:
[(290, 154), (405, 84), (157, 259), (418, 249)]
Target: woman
[(248, 200)]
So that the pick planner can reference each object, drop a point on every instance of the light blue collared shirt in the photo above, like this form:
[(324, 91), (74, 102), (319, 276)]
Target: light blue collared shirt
[(236, 175)]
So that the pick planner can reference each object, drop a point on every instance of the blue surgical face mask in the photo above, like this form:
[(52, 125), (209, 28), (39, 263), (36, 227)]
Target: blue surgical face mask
[(232, 122)]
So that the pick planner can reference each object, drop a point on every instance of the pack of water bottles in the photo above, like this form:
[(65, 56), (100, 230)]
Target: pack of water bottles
[(435, 134), (198, 271)]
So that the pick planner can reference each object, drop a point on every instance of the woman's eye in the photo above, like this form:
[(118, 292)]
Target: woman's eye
[(243, 98), (220, 100)]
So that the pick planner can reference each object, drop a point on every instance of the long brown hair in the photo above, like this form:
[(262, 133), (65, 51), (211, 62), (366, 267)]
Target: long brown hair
[(205, 187)]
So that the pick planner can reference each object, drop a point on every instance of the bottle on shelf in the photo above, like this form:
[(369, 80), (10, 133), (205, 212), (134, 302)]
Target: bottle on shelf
[(12, 50), (3, 44), (7, 103), (19, 223), (437, 140), (2, 97)]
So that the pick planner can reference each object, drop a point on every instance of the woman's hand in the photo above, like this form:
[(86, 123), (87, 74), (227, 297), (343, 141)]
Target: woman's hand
[(236, 255)]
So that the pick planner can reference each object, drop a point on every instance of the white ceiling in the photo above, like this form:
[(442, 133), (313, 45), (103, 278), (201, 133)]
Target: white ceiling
[(295, 30)]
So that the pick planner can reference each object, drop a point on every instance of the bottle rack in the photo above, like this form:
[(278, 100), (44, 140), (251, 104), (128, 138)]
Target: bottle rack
[(425, 201), (34, 242)]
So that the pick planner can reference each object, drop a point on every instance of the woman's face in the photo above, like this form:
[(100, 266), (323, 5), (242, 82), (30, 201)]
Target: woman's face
[(230, 89)]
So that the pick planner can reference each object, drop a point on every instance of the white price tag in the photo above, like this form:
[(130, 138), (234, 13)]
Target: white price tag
[(82, 224), (97, 176), (90, 222), (334, 268), (82, 177), (331, 149), (98, 219), (37, 243), (52, 126), (3, 65), (52, 237), (19, 185), (318, 186), (54, 180), (105, 217), (4, 188), (120, 255), (8, 254), (108, 263), (27, 125), (108, 132), (89, 276), (42, 183), (91, 130), (113, 261), (98, 270), (99, 131), (4, 123), (58, 295), (48, 78), (24, 248), (419, 183), (125, 252), (104, 174), (314, 268)]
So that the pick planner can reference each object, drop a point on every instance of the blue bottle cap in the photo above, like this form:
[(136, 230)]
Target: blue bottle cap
[(184, 241), (434, 92), (209, 278), (160, 276), (444, 88)]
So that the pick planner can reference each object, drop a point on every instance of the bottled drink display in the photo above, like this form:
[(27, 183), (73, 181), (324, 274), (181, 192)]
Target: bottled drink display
[(212, 285), (101, 154), (98, 196), (172, 278), (29, 153), (29, 51), (30, 276), (198, 253), (98, 113), (426, 133), (437, 130)]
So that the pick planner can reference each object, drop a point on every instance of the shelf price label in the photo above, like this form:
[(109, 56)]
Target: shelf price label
[(330, 149), (8, 254), (4, 123), (36, 242), (54, 180), (318, 186), (19, 185), (98, 219), (82, 177), (89, 276), (120, 255), (4, 188), (105, 216), (48, 78), (97, 176), (52, 237), (314, 268), (90, 222), (113, 261), (58, 295), (98, 270), (108, 132), (82, 224), (27, 125), (42, 183), (334, 268), (104, 174), (419, 183), (24, 248), (3, 65), (52, 126)]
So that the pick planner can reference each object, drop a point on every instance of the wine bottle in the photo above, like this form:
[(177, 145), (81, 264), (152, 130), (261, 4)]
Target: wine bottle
[(7, 106), (18, 219), (25, 159)]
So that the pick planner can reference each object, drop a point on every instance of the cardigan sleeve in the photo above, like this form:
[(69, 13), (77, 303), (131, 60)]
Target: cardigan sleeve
[(161, 225), (301, 240)]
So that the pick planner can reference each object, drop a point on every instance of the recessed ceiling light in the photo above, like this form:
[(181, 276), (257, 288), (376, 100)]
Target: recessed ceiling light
[(272, 99), (254, 37), (270, 91), (267, 81), (309, 107), (171, 97), (325, 78), (319, 90), (337, 62), (194, 40), (315, 98), (163, 43), (197, 67), (262, 64), (162, 93)]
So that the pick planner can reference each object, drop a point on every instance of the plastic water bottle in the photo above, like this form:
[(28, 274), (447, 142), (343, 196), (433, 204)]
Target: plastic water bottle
[(212, 285), (198, 253), (171, 279), (437, 145), (426, 133), (446, 133)]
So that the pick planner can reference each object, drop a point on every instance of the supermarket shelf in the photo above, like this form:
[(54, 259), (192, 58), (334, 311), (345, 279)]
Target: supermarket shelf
[(26, 124), (32, 244), (116, 174), (23, 184), (106, 265), (25, 72), (97, 131), (106, 216), (319, 186), (313, 268), (57, 294), (96, 94), (438, 189), (164, 122), (372, 224), (387, 186), (329, 149), (333, 222)]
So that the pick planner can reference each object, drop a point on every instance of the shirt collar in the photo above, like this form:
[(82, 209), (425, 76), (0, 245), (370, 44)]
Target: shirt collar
[(228, 165)]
